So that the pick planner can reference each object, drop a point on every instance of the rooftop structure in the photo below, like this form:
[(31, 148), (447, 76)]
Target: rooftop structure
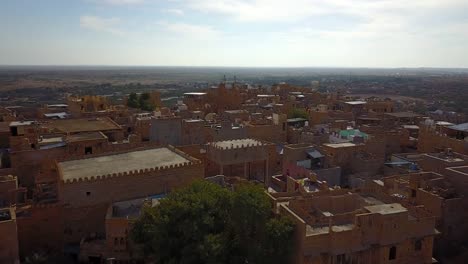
[(85, 136), (194, 94), (403, 115), (385, 209), (237, 143), (83, 125), (356, 102), (266, 95), (21, 123), (444, 123), (294, 120), (362, 228), (119, 163), (131, 209), (61, 115), (460, 127), (340, 145)]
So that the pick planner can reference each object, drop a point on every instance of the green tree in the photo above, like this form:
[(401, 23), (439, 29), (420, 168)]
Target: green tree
[(205, 223), (144, 102), (133, 101), (298, 113)]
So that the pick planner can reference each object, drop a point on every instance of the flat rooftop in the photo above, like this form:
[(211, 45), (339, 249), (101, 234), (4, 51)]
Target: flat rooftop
[(310, 230), (83, 125), (411, 127), (447, 158), (460, 169), (340, 145), (132, 208), (86, 136), (21, 123), (460, 127), (240, 111), (298, 119), (237, 143), (356, 102), (385, 209), (119, 163), (195, 93), (194, 120), (444, 123), (403, 114)]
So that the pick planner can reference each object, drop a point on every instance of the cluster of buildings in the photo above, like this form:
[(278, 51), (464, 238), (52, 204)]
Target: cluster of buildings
[(363, 181)]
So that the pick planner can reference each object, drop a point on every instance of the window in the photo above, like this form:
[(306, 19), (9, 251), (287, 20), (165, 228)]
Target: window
[(88, 193), (418, 245), (14, 131), (392, 253), (413, 193), (88, 150)]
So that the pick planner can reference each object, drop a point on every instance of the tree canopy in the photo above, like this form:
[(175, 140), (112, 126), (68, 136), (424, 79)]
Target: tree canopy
[(298, 113), (142, 101), (205, 223)]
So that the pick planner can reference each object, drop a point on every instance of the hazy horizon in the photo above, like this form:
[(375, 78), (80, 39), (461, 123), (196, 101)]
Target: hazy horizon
[(236, 33), (223, 66)]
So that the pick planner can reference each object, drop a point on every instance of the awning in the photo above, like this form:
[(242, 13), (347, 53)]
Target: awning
[(314, 154)]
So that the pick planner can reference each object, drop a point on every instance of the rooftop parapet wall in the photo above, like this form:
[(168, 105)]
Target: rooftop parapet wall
[(145, 171), (114, 149), (236, 144), (184, 159), (238, 151), (103, 189)]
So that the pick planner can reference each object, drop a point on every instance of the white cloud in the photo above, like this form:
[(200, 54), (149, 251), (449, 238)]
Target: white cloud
[(122, 2), (100, 24), (178, 12), (191, 30), (281, 10)]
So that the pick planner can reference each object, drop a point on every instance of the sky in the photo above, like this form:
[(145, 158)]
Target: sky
[(246, 33)]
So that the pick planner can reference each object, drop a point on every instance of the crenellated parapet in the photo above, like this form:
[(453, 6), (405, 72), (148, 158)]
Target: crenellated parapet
[(131, 173), (238, 151), (183, 154), (236, 144)]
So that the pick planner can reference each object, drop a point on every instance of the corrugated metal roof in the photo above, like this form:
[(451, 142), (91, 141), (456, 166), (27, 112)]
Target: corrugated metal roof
[(460, 127), (314, 154)]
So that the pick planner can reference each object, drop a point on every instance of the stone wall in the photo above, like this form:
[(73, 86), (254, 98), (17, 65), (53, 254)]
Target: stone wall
[(128, 185), (40, 227)]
